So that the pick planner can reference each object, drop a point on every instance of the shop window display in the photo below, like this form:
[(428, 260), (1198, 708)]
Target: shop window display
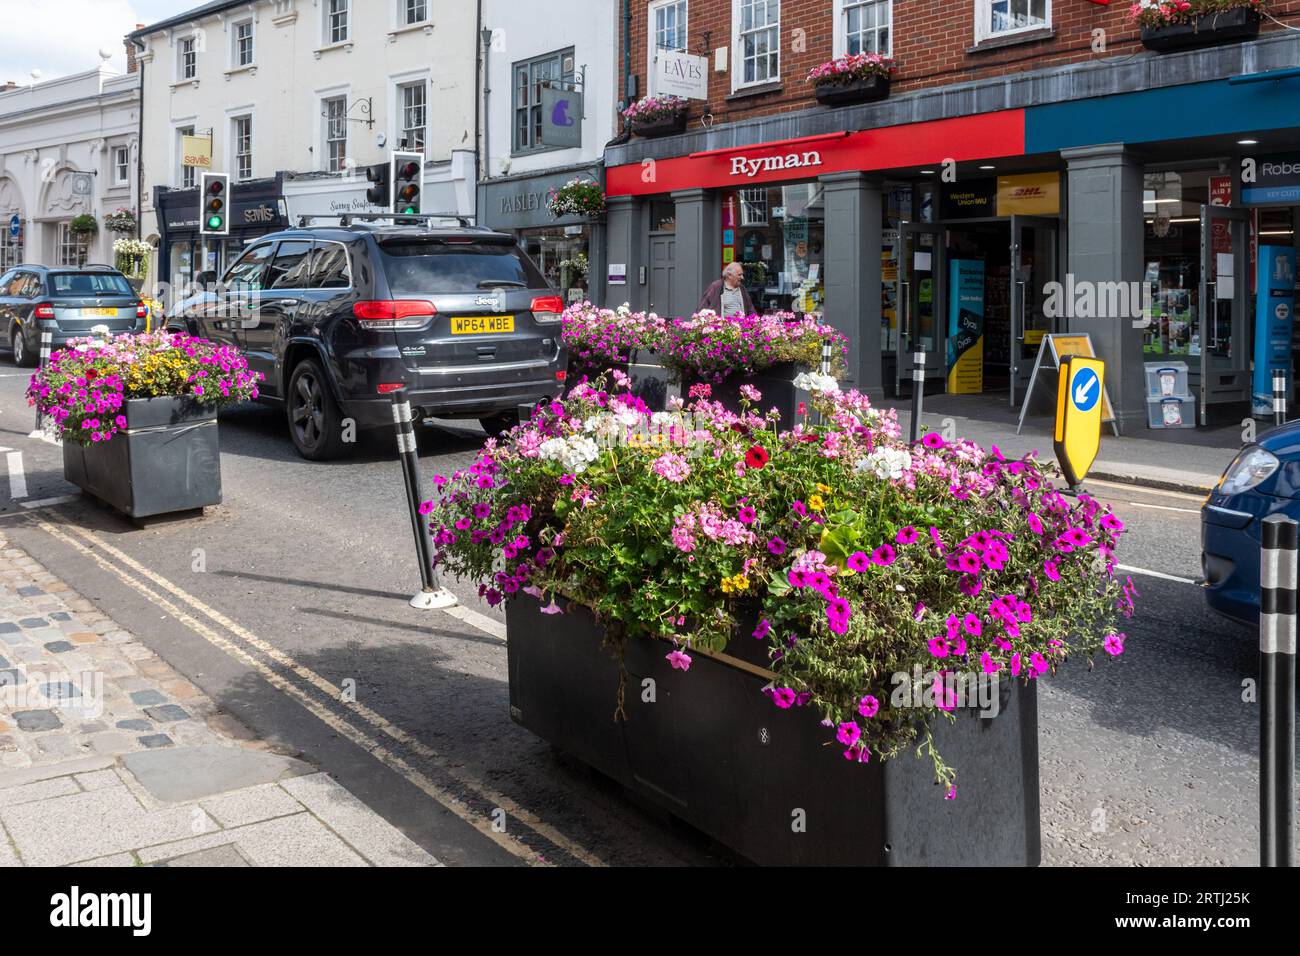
[(561, 253), (777, 234), (1171, 206)]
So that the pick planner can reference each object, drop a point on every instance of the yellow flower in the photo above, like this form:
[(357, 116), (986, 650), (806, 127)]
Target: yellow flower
[(815, 502), (824, 489)]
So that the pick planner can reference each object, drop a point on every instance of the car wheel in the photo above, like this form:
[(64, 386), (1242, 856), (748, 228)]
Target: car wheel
[(315, 423), (496, 425), (22, 354)]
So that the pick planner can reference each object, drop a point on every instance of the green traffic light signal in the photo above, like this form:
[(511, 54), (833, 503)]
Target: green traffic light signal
[(214, 222)]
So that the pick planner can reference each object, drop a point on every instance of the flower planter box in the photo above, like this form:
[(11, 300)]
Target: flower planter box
[(775, 382), (866, 90), (714, 751), (649, 378), (167, 460), (1208, 29), (665, 126)]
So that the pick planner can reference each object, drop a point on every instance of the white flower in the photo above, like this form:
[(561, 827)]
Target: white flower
[(574, 452), (886, 463), (816, 382)]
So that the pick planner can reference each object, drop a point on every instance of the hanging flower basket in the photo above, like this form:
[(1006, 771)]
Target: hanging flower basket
[(1171, 25), (120, 220), (856, 78), (578, 197), (83, 226)]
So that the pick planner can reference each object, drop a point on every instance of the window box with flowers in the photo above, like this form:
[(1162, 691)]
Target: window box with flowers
[(137, 415), (855, 78), (657, 115), (581, 198), (738, 623), (1171, 25)]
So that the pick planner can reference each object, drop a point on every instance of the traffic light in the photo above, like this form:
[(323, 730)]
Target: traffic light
[(214, 201), (377, 194), (407, 177)]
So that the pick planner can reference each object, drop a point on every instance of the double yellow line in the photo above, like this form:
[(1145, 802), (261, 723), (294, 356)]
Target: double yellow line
[(341, 717)]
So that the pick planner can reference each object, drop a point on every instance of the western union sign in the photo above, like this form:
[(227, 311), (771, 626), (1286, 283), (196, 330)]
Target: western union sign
[(1078, 416)]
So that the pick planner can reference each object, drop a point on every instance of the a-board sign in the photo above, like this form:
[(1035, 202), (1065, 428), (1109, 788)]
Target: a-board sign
[(1077, 436), (1054, 348)]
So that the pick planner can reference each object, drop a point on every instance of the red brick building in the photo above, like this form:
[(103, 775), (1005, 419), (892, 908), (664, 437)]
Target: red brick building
[(1022, 146)]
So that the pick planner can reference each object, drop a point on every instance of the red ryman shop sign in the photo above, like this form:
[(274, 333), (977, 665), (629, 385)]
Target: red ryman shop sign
[(962, 138)]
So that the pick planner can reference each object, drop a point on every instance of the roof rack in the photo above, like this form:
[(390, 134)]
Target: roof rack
[(345, 219)]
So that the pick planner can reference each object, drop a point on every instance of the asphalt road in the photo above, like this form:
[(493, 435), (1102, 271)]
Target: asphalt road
[(306, 568)]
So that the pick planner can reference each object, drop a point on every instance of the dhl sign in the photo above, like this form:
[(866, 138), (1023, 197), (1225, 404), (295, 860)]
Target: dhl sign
[(1033, 194)]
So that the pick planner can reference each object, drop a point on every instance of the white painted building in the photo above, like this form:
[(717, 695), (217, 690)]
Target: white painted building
[(296, 96), (528, 133), (67, 149)]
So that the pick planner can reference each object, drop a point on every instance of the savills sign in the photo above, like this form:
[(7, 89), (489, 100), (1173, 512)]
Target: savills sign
[(749, 168)]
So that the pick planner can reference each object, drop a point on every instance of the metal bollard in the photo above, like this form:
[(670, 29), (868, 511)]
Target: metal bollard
[(828, 356), (432, 593), (1279, 396), (918, 393), (1277, 644), (47, 343)]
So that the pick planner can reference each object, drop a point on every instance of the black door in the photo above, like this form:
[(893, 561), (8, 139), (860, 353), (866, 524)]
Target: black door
[(285, 288)]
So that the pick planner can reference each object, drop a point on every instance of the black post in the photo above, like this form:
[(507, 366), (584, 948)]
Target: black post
[(1279, 396), (918, 393), (1277, 644), (432, 594)]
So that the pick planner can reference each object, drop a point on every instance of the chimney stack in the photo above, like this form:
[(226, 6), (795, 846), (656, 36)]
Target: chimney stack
[(131, 50)]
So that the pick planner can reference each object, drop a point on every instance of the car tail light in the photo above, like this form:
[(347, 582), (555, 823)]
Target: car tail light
[(43, 311), (561, 375), (1251, 466), (387, 388), (393, 313), (141, 310), (547, 308)]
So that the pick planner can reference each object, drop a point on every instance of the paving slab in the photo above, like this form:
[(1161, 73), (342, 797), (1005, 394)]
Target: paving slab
[(83, 826), (371, 835), (223, 856), (44, 789), (298, 840), (189, 773), (251, 805)]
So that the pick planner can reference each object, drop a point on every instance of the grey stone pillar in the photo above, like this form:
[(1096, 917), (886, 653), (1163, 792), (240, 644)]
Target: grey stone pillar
[(698, 259), (853, 219), (625, 245), (1106, 232), (596, 272)]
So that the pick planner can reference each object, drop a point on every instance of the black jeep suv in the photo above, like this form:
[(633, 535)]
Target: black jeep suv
[(338, 317)]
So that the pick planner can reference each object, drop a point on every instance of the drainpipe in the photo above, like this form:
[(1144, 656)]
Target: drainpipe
[(626, 134), (485, 37), (139, 153), (479, 129)]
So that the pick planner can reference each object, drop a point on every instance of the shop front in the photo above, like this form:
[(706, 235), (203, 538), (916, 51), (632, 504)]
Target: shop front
[(977, 268), (256, 208), (568, 249)]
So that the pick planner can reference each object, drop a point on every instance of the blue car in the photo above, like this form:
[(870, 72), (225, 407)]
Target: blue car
[(1263, 479)]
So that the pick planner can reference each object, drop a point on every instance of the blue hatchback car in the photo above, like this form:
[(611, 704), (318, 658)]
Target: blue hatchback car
[(1263, 479)]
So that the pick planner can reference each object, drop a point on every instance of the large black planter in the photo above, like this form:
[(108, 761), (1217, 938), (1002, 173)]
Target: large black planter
[(714, 751), (664, 126), (775, 382), (167, 460), (1208, 29), (866, 90)]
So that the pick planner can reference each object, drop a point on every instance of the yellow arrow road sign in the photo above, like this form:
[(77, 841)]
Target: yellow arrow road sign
[(1079, 401)]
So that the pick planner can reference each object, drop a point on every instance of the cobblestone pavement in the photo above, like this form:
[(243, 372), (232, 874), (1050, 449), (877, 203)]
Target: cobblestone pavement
[(110, 757)]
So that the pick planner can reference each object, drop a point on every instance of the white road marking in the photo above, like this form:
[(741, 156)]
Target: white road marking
[(17, 478), (1156, 574), (481, 621), (1190, 511), (123, 563), (1132, 487), (49, 502)]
